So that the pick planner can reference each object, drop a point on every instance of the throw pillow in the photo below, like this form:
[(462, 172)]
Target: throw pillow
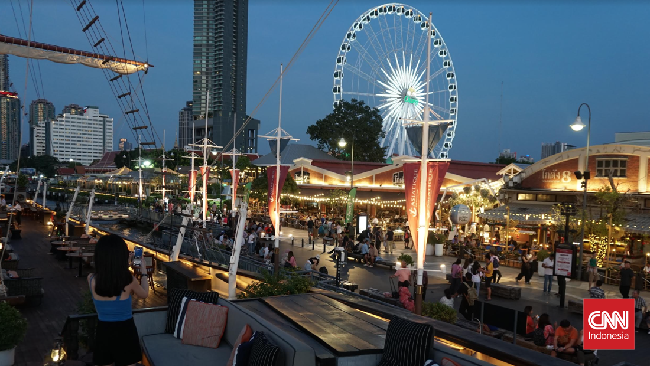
[(204, 324), (180, 321), (244, 336), (243, 352), (263, 352), (449, 362), (174, 299), (407, 343)]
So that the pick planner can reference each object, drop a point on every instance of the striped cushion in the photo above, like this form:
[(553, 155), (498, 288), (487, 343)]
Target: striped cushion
[(174, 299), (180, 321), (407, 343), (204, 324), (263, 352)]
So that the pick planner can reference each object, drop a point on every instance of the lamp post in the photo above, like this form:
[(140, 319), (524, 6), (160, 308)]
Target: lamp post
[(578, 125), (343, 143)]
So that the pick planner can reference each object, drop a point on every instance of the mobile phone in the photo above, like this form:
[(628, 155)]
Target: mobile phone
[(138, 252)]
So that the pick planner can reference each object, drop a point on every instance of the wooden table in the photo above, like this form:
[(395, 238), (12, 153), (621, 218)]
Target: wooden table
[(183, 276), (342, 329), (68, 249), (81, 256)]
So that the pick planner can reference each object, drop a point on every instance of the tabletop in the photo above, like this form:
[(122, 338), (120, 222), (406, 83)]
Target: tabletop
[(80, 255), (342, 329), (69, 249)]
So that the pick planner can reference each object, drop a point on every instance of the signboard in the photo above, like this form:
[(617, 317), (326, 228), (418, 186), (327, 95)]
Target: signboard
[(349, 211), (563, 262), (362, 223)]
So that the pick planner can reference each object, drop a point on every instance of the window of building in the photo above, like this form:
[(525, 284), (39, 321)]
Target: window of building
[(525, 197), (616, 167), (546, 197), (398, 178)]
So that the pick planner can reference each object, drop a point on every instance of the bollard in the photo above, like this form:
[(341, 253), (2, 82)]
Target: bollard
[(313, 245), (292, 240), (324, 245), (302, 242)]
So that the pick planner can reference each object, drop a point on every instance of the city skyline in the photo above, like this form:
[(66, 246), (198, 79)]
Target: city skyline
[(548, 58)]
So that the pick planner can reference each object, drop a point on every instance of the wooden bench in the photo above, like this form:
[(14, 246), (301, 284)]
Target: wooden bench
[(507, 292), (30, 287), (183, 276), (378, 295), (576, 306), (13, 300), (357, 257)]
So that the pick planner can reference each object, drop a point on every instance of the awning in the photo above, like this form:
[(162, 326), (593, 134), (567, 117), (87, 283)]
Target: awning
[(637, 224), (523, 213)]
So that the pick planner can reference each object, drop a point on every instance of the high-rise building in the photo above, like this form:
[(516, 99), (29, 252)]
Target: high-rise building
[(9, 115), (9, 125), (125, 145), (80, 138), (220, 61), (247, 145), (4, 73), (74, 109), (185, 123), (549, 149), (40, 110)]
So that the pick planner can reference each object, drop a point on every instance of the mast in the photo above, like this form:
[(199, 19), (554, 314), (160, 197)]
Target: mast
[(234, 159), (277, 182), (139, 171), (205, 162)]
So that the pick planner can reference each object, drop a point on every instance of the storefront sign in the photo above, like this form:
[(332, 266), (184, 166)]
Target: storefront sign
[(556, 176), (563, 262)]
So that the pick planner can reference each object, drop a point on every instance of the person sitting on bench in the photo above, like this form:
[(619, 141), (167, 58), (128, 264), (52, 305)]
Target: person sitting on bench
[(370, 257)]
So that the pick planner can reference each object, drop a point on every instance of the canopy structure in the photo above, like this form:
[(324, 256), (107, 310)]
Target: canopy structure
[(22, 48)]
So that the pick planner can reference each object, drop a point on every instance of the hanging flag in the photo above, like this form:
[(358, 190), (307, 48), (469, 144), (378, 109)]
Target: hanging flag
[(248, 190), (349, 212), (436, 173), (192, 184), (235, 182), (274, 191)]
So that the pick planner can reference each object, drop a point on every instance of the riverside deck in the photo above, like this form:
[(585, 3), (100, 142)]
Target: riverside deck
[(63, 293)]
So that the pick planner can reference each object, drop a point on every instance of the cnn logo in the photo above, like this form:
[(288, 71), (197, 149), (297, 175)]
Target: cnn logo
[(608, 319), (607, 324)]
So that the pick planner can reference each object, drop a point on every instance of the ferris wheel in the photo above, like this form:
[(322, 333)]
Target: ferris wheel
[(382, 61)]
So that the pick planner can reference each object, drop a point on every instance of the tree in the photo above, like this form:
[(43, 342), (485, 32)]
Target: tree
[(260, 187), (22, 181), (45, 164), (352, 120)]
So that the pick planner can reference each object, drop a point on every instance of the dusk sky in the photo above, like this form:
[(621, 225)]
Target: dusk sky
[(550, 55)]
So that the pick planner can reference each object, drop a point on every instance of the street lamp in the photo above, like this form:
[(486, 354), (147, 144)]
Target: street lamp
[(578, 125), (343, 144)]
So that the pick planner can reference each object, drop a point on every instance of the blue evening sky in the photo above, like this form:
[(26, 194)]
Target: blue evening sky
[(550, 56)]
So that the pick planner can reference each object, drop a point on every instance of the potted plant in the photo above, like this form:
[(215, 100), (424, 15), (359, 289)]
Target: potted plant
[(12, 331), (405, 258), (438, 311), (541, 255), (435, 244)]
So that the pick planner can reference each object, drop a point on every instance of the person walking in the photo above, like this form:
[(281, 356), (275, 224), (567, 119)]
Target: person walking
[(525, 269), (593, 269), (407, 238), (497, 272), (476, 276), (548, 273), (640, 309), (627, 279), (489, 273), (469, 295), (390, 237), (111, 288), (456, 276)]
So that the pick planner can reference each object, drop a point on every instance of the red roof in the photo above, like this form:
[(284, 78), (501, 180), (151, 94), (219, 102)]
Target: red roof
[(65, 171), (105, 164), (475, 170), (342, 167)]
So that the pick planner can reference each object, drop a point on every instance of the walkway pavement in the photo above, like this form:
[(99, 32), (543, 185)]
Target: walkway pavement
[(377, 277)]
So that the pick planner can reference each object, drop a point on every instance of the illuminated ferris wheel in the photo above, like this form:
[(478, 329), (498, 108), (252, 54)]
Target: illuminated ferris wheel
[(382, 61)]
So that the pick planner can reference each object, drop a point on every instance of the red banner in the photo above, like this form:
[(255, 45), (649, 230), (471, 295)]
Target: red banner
[(235, 182), (436, 171), (192, 184), (274, 191)]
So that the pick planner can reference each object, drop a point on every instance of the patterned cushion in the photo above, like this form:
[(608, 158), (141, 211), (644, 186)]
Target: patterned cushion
[(180, 322), (263, 352), (243, 352), (407, 343), (204, 324), (174, 299), (244, 336)]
